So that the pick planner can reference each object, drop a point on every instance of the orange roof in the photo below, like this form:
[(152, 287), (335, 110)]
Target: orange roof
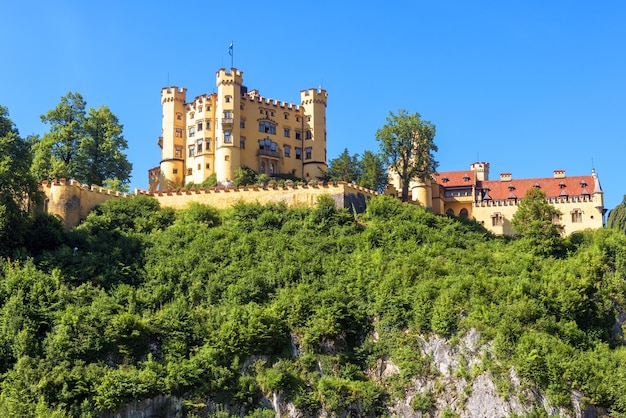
[(455, 178), (517, 188)]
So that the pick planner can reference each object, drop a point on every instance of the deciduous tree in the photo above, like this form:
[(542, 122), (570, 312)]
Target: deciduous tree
[(17, 185), (537, 221), (407, 146), (617, 217), (84, 145)]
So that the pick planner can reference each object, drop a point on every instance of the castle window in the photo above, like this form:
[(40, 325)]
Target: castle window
[(308, 153), (192, 131), (179, 133), (179, 152), (450, 212), (200, 126), (199, 143), (463, 213), (192, 115), (179, 116), (267, 145), (208, 108), (308, 135), (228, 137), (286, 116), (298, 153), (227, 158), (199, 167), (208, 125), (242, 123), (297, 118), (199, 108), (286, 133), (242, 142), (466, 178), (192, 149), (241, 106), (208, 166), (287, 149), (298, 134), (497, 219), (577, 216), (189, 171), (261, 111), (228, 114), (175, 171), (208, 144), (227, 99), (267, 127)]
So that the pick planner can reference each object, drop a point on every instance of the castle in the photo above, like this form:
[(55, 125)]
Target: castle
[(470, 193), (220, 132)]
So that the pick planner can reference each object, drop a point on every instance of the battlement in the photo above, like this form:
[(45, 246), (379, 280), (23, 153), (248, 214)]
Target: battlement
[(318, 95), (227, 77), (555, 201), (174, 93), (271, 102)]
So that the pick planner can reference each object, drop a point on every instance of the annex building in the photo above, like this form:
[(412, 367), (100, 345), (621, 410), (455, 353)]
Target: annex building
[(470, 193), (236, 127)]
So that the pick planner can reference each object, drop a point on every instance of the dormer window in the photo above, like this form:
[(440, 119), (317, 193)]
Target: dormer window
[(466, 178), (583, 183), (562, 185), (536, 186), (445, 179), (511, 188)]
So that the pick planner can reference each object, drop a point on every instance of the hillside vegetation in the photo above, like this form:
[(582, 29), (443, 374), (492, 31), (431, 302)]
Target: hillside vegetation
[(226, 308)]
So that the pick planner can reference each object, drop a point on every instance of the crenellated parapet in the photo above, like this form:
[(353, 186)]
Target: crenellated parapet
[(346, 195), (72, 201)]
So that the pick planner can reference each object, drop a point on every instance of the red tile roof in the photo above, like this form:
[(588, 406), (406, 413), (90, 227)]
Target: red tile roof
[(455, 178), (570, 186)]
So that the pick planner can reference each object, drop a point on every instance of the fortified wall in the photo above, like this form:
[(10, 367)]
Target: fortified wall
[(72, 202)]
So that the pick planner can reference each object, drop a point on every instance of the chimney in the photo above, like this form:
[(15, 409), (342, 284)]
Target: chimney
[(505, 176), (559, 174)]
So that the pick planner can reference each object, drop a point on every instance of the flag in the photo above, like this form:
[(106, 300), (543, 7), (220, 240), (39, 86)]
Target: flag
[(230, 49)]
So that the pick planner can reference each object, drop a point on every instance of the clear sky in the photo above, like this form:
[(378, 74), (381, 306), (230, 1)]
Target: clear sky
[(528, 86)]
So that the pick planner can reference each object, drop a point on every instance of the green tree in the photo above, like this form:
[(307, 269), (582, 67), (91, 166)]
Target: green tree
[(534, 221), (55, 152), (407, 145), (373, 173), (84, 145), (17, 185), (100, 158), (617, 217), (346, 167)]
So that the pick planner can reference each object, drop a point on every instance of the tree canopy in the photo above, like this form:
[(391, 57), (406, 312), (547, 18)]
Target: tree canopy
[(617, 217), (537, 221), (367, 171), (407, 146), (86, 145), (17, 186)]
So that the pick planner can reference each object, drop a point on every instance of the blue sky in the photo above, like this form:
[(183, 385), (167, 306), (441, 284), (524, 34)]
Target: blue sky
[(529, 86)]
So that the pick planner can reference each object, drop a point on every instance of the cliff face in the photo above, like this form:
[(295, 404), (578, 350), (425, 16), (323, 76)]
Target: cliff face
[(459, 383)]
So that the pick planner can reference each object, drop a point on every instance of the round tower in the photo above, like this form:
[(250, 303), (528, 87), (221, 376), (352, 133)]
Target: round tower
[(227, 125), (421, 192), (313, 128), (172, 140)]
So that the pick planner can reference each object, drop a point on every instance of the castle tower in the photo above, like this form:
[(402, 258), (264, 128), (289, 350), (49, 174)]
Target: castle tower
[(481, 170), (172, 140), (421, 192), (313, 140), (227, 123)]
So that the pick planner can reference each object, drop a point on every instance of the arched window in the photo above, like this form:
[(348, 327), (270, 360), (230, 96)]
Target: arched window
[(463, 213), (450, 212)]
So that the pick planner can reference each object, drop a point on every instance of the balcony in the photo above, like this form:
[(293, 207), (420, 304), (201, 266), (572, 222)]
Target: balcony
[(268, 153), (227, 122)]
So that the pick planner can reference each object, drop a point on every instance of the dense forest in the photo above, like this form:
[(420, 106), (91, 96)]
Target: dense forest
[(225, 308)]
